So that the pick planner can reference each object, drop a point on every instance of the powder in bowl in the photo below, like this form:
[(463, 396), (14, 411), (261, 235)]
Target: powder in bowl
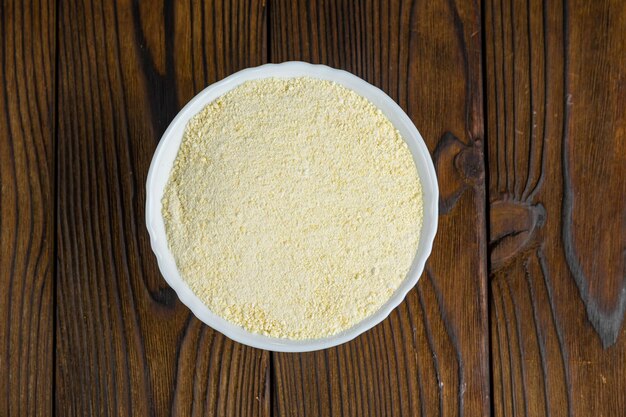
[(293, 208)]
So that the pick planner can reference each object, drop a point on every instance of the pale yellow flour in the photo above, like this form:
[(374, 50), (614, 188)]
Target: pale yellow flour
[(294, 207)]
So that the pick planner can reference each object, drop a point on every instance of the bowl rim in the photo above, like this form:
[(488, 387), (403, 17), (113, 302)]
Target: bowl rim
[(160, 169)]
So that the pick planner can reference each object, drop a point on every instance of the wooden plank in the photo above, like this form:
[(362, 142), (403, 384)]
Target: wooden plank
[(125, 344), (27, 42), (431, 355), (556, 123)]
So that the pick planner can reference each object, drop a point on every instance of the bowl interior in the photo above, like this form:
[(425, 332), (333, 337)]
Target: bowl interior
[(166, 153)]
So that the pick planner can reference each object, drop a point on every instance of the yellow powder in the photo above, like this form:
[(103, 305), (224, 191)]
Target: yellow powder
[(294, 207)]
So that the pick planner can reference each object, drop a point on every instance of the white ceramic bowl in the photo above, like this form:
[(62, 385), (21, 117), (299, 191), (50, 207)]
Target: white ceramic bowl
[(167, 150)]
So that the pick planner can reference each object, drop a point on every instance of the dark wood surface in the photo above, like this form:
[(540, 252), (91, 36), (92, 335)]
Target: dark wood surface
[(125, 345), (556, 123), (520, 311), (27, 148)]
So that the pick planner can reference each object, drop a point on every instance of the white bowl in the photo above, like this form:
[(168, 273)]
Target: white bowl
[(167, 150)]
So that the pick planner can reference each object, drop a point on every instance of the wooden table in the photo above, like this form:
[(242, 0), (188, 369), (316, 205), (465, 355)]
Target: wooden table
[(520, 310)]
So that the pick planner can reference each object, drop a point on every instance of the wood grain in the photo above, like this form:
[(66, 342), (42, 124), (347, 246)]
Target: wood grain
[(88, 87), (125, 344), (27, 42), (556, 123), (431, 355)]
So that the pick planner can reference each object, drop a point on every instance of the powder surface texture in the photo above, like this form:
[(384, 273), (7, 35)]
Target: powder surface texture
[(293, 208)]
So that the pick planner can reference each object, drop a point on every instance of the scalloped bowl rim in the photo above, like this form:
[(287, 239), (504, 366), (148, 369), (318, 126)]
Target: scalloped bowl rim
[(165, 155)]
